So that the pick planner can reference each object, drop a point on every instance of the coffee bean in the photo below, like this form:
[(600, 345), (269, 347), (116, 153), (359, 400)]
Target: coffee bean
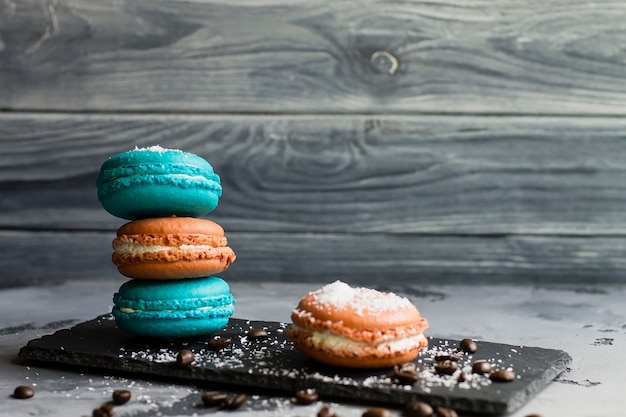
[(481, 367), (257, 333), (502, 375), (99, 412), (446, 367), (441, 358), (445, 412), (218, 343), (417, 409), (235, 401), (406, 373), (376, 412), (307, 396), (23, 392), (121, 396), (185, 357), (462, 377), (468, 346), (326, 411), (213, 398), (105, 411)]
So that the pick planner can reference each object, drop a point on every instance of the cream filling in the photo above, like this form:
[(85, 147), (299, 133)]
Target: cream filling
[(333, 341), (133, 248), (132, 311)]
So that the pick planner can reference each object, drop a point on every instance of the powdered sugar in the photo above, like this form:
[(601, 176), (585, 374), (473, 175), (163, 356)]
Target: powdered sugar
[(341, 296), (154, 148)]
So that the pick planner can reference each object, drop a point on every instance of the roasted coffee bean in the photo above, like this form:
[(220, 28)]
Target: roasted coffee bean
[(417, 409), (121, 396), (481, 367), (406, 373), (235, 401), (99, 412), (213, 398), (306, 396), (185, 357), (407, 366), (218, 343), (502, 375), (445, 412), (441, 358), (23, 392), (446, 367), (468, 346), (257, 333), (376, 412), (462, 377), (105, 411), (326, 411)]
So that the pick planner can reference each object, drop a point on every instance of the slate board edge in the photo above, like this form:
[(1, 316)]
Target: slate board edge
[(558, 366), (194, 374), (191, 374)]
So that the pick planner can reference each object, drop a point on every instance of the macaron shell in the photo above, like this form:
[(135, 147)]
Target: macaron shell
[(171, 225), (160, 200), (356, 358), (155, 182), (211, 289), (171, 328), (166, 269), (152, 159), (353, 316), (372, 333)]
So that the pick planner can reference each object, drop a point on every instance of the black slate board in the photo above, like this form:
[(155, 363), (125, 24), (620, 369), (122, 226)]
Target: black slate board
[(272, 363)]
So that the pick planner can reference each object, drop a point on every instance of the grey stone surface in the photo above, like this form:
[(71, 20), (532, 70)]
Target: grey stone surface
[(586, 321)]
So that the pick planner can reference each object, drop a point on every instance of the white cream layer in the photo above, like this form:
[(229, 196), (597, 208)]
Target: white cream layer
[(332, 341), (207, 308), (133, 248)]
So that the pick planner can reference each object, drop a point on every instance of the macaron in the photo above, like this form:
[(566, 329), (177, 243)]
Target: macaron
[(171, 248), (357, 327), (157, 182), (173, 309)]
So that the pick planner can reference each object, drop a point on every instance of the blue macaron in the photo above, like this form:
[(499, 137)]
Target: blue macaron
[(157, 182), (173, 309)]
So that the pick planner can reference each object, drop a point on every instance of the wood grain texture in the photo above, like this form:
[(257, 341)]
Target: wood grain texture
[(52, 257), (342, 174), (537, 56)]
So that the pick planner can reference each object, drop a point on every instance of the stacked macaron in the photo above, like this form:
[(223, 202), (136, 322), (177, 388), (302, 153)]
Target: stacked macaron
[(168, 251)]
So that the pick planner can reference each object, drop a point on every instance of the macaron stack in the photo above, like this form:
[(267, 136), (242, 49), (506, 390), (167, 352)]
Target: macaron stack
[(167, 250)]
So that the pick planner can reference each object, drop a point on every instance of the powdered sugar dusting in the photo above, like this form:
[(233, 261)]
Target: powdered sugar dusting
[(342, 296), (154, 148)]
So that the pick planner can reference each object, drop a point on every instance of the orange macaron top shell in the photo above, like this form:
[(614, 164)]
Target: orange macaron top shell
[(357, 327), (171, 248)]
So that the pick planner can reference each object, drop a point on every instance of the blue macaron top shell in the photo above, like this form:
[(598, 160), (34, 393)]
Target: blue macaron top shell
[(158, 182), (175, 308)]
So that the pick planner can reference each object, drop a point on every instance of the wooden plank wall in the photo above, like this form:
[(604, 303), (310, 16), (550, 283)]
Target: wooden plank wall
[(413, 141)]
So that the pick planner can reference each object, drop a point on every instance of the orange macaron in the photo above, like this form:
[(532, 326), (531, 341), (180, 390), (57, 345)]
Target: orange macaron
[(357, 327), (171, 248)]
